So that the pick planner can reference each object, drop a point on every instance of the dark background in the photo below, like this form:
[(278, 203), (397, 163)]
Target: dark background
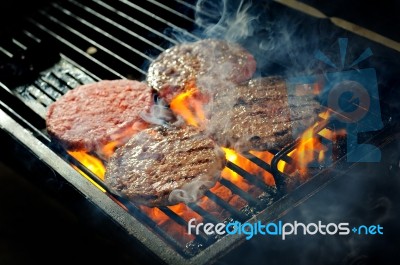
[(35, 228)]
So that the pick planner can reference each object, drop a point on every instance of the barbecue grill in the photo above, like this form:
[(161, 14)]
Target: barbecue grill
[(68, 43)]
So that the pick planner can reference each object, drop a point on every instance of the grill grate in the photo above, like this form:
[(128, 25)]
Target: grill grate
[(65, 75), (110, 40)]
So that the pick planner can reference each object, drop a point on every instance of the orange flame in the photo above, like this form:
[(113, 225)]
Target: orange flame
[(308, 150), (180, 209), (109, 149), (189, 106), (174, 229), (92, 163), (247, 165), (121, 138)]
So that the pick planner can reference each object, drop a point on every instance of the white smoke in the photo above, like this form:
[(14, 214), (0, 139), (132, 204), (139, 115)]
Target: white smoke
[(159, 114), (219, 20), (191, 192), (284, 43)]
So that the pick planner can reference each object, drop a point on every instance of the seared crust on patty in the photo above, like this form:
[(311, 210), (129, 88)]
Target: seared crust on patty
[(182, 66), (260, 115), (92, 115), (158, 161)]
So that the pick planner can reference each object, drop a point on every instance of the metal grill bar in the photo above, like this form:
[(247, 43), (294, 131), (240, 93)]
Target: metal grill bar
[(171, 214), (203, 213), (9, 48), (223, 204), (88, 76), (61, 22), (182, 2), (57, 83), (75, 48), (179, 220), (95, 44), (19, 44), (153, 225), (171, 11), (94, 27), (287, 159), (61, 89), (136, 22), (33, 37), (27, 124), (259, 162), (249, 177), (186, 4), (113, 23), (167, 23), (40, 95), (52, 85), (238, 191), (4, 51), (49, 88)]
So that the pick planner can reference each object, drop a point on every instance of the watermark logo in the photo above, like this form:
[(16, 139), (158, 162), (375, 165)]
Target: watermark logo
[(283, 230), (352, 96)]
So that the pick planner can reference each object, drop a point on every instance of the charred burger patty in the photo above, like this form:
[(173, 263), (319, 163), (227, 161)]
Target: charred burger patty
[(158, 161), (260, 115), (183, 66)]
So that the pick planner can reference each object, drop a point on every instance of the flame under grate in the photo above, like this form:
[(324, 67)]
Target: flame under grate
[(89, 35), (248, 193)]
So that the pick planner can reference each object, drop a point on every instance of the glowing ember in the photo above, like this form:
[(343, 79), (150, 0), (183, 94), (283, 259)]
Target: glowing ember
[(180, 209), (247, 165), (177, 231), (267, 157), (155, 214)]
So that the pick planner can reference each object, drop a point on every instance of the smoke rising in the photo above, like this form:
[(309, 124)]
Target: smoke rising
[(159, 114), (221, 20), (275, 36), (284, 42), (190, 192)]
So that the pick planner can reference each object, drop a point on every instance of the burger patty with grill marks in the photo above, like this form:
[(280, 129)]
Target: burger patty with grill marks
[(92, 115), (260, 115), (206, 64), (158, 161)]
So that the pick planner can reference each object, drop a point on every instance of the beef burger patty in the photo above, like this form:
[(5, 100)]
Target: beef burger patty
[(260, 115), (160, 162), (205, 63), (92, 115)]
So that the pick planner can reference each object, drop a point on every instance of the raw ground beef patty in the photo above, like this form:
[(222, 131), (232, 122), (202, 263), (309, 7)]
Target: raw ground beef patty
[(206, 64), (163, 166), (92, 115)]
